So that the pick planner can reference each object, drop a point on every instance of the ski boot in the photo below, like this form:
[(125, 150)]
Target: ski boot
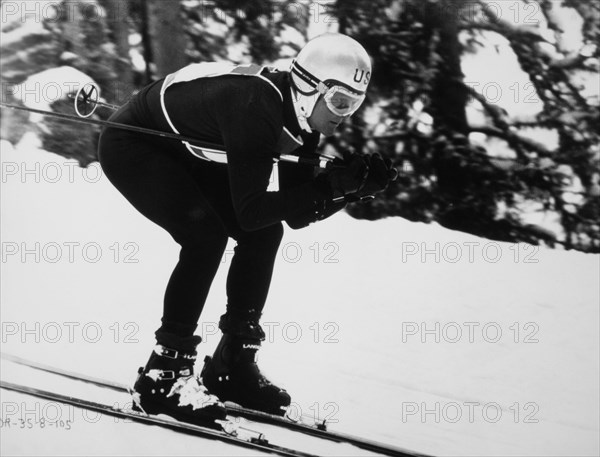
[(232, 373), (168, 385)]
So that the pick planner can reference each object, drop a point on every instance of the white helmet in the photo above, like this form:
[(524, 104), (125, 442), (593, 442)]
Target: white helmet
[(335, 66)]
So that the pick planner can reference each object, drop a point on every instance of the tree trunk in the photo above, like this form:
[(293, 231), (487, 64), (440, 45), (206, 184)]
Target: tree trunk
[(118, 14), (449, 98), (73, 31), (167, 38)]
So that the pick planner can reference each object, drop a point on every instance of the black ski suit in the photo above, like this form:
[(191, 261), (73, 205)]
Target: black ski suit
[(202, 203)]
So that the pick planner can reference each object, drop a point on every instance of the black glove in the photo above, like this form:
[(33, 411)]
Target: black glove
[(324, 210), (348, 177), (380, 173)]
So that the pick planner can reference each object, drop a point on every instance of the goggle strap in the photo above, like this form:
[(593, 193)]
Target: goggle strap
[(305, 75), (297, 89)]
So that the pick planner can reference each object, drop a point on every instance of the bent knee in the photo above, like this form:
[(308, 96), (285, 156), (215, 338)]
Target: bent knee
[(201, 233), (267, 237)]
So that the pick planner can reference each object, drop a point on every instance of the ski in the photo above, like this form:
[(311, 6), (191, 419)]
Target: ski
[(252, 440), (317, 429)]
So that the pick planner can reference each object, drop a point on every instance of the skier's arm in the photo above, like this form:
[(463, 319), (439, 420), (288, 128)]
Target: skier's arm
[(251, 125), (360, 176), (292, 175)]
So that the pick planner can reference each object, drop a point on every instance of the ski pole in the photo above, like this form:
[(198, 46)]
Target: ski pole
[(88, 97), (321, 162), (89, 93)]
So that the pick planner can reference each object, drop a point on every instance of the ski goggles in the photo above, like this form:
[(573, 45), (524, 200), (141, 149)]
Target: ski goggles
[(341, 101)]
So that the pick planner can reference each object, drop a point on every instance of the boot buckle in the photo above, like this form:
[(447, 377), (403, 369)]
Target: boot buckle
[(166, 352), (166, 375), (160, 375)]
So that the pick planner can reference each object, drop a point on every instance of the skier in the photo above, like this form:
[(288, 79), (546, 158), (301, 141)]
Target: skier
[(204, 196)]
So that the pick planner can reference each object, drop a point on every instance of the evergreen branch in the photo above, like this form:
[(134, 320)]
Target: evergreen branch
[(499, 119), (500, 26), (497, 114), (513, 139), (532, 123), (492, 131), (569, 63), (509, 32), (575, 92)]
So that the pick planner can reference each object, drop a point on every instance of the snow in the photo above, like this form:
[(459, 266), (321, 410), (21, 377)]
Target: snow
[(19, 34), (411, 334), (42, 89)]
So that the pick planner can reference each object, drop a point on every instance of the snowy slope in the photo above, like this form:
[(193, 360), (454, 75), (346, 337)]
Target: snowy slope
[(407, 333)]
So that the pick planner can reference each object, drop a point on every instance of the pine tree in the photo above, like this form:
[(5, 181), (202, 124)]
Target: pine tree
[(420, 98)]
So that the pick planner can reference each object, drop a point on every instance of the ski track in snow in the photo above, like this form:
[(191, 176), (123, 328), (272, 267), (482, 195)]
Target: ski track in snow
[(345, 312)]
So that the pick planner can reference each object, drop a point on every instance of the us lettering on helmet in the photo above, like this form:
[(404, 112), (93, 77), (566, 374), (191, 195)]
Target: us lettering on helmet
[(363, 77)]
